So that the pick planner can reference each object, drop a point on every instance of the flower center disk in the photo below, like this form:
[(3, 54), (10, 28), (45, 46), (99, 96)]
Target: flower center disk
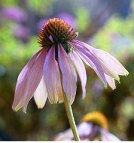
[(56, 31)]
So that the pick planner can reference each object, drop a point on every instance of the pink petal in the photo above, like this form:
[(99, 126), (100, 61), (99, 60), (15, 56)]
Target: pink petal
[(40, 94), (110, 81), (81, 71), (89, 59), (52, 78), (69, 77), (22, 81), (113, 69), (28, 80), (110, 65)]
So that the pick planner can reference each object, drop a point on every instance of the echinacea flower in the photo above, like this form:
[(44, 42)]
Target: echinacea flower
[(51, 72), (94, 126)]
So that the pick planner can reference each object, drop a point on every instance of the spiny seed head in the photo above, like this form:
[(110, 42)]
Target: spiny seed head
[(56, 31)]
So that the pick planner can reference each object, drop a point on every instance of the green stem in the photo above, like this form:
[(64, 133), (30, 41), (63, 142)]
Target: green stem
[(71, 118)]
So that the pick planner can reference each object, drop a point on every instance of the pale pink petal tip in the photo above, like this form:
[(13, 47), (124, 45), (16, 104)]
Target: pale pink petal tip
[(126, 73), (110, 81), (40, 95), (16, 108)]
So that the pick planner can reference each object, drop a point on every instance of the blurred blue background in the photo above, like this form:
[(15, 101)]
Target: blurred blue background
[(104, 24)]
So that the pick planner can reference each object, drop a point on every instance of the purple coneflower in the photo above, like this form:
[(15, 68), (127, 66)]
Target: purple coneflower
[(93, 127), (51, 72)]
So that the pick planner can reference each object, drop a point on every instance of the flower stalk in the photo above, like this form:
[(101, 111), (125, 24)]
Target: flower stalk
[(71, 118)]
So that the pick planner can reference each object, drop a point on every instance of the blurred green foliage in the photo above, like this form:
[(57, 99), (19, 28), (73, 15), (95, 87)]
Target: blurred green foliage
[(119, 38), (82, 16)]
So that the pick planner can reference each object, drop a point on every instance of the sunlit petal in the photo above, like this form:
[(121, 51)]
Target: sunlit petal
[(81, 71), (69, 77), (110, 81), (28, 81), (89, 59), (109, 63), (40, 94), (52, 78)]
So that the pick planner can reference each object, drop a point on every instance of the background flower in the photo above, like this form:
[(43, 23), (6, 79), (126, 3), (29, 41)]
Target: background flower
[(94, 126), (14, 13)]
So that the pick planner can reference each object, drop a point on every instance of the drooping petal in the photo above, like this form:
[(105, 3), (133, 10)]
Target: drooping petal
[(110, 81), (40, 94), (69, 77), (52, 77), (22, 80), (89, 59), (110, 65), (28, 81), (81, 71)]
